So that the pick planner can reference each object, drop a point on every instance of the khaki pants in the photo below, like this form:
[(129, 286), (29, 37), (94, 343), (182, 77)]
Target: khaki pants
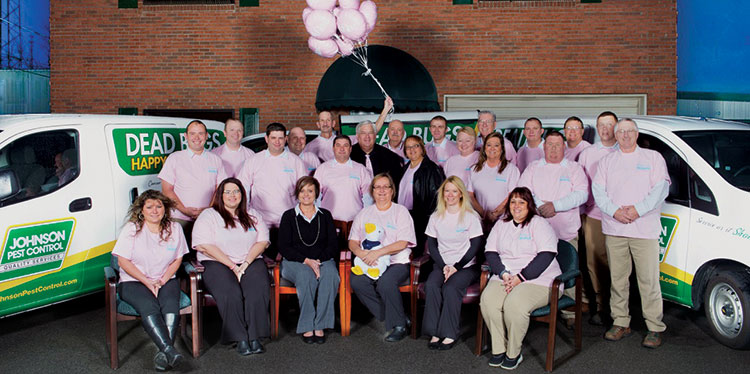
[(645, 254), (501, 310), (596, 258), (571, 292)]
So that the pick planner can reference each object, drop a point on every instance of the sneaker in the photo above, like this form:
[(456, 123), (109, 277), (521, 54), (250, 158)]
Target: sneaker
[(652, 340), (617, 332), (511, 363), (497, 360)]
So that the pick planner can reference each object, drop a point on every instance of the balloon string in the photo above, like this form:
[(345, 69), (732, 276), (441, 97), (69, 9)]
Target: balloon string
[(359, 56)]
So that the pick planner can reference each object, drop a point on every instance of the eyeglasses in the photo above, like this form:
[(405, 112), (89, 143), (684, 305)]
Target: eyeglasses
[(629, 132), (231, 192), (388, 187), (412, 146)]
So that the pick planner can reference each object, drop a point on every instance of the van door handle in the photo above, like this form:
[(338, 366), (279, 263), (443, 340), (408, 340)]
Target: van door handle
[(79, 205)]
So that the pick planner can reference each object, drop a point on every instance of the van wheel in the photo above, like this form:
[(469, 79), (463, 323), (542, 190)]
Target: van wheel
[(727, 306)]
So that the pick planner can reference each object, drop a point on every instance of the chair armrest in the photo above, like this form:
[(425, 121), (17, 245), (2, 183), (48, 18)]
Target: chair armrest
[(110, 275), (188, 267), (345, 255), (421, 260), (568, 275), (197, 266), (271, 263), (486, 267)]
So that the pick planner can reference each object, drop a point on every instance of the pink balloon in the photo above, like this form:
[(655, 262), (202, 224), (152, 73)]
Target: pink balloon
[(345, 46), (352, 24), (306, 12), (321, 24), (321, 4), (325, 48), (349, 4), (370, 11)]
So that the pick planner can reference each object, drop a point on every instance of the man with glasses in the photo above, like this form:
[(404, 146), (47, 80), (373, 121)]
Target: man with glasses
[(486, 124), (591, 218), (574, 138), (559, 187), (629, 187)]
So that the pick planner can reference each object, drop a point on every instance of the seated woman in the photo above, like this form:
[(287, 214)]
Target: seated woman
[(308, 242), (149, 251), (417, 190), (230, 240), (521, 251), (491, 179), (382, 296), (454, 235)]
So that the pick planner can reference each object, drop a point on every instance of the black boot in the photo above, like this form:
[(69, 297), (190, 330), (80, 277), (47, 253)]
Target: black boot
[(172, 320), (168, 357)]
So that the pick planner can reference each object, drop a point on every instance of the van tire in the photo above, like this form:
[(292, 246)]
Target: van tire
[(727, 306)]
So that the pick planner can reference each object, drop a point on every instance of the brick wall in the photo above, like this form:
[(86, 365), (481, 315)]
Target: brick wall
[(224, 56)]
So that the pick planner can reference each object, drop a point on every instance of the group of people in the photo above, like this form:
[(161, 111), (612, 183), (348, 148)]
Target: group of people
[(464, 202)]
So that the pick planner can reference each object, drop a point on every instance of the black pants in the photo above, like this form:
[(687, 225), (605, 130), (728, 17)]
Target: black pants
[(382, 296), (442, 310), (243, 305), (144, 301)]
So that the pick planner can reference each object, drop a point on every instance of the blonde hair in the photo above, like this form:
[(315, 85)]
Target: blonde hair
[(464, 205), (468, 130)]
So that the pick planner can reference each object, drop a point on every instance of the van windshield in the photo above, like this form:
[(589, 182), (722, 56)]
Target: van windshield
[(728, 151)]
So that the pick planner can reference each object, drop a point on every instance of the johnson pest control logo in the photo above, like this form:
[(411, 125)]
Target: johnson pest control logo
[(35, 248), (669, 225)]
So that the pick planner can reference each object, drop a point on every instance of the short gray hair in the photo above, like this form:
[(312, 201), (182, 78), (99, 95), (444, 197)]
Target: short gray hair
[(494, 117), (363, 124), (626, 119)]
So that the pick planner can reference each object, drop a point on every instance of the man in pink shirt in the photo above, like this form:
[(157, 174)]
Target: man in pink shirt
[(486, 124), (533, 149), (190, 176), (629, 187), (270, 180), (297, 141), (591, 218), (574, 138), (344, 184), (440, 148), (396, 136), (232, 153), (559, 187)]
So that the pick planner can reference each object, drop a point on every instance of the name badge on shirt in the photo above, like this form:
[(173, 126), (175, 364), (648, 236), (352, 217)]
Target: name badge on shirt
[(468, 168), (353, 177), (642, 167), (288, 170), (501, 179), (391, 226), (462, 229), (171, 248), (442, 159), (564, 178), (524, 236), (213, 170)]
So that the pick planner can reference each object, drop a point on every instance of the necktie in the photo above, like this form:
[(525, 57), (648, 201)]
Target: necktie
[(368, 163)]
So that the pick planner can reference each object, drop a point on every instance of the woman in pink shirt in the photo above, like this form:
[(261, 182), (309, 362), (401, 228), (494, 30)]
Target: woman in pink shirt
[(454, 235), (491, 179), (396, 236), (460, 165), (521, 251), (230, 241), (149, 251)]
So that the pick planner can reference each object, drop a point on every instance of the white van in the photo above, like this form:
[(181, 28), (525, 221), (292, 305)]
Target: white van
[(66, 182), (705, 237)]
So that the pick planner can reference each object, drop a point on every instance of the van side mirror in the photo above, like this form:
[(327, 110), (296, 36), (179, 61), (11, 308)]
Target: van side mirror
[(8, 183)]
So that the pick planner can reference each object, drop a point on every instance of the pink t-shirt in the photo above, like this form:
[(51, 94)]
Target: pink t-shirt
[(510, 150), (528, 155), (194, 178), (453, 236), (311, 161), (461, 166), (517, 246), (406, 188), (491, 188), (270, 181), (555, 183), (323, 148), (440, 153), (148, 252), (233, 160), (234, 242), (396, 224), (628, 178), (342, 187), (572, 153), (589, 160)]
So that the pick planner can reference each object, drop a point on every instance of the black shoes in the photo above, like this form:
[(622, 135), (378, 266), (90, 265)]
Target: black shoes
[(167, 357), (497, 360), (243, 348), (433, 345), (319, 339), (256, 347), (398, 334), (446, 346), (308, 339)]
